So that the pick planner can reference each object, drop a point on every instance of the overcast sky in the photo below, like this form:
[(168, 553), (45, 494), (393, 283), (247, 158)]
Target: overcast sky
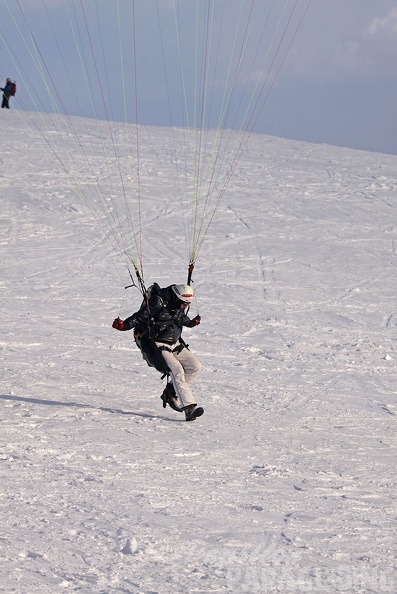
[(337, 85)]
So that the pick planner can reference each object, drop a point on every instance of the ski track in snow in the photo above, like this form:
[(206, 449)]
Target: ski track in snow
[(287, 484)]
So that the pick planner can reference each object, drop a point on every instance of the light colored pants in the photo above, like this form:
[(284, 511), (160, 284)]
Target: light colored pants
[(184, 368)]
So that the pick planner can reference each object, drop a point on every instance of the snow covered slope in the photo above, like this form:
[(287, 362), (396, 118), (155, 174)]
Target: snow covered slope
[(287, 483)]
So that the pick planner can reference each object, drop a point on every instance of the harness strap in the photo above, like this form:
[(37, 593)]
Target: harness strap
[(176, 350)]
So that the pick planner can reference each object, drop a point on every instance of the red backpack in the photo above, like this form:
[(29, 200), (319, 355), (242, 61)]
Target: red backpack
[(13, 89)]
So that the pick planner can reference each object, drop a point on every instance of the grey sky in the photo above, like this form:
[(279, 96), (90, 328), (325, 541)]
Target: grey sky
[(338, 84), (342, 76)]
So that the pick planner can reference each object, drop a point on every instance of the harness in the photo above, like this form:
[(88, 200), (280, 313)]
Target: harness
[(144, 333), (177, 349)]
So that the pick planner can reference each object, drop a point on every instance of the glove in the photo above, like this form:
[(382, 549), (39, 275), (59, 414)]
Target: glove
[(118, 324), (195, 322)]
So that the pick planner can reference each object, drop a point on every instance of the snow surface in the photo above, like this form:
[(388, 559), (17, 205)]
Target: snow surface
[(287, 483)]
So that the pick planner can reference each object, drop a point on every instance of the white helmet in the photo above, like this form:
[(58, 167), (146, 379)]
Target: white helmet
[(184, 293)]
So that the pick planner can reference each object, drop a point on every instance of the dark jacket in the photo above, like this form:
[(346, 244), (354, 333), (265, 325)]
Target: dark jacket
[(164, 320), (7, 89)]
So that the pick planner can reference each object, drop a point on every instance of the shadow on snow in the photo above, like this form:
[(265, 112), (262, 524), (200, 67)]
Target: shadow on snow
[(80, 405)]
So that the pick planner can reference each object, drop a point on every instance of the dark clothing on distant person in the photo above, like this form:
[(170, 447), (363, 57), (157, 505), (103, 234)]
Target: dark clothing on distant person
[(6, 94)]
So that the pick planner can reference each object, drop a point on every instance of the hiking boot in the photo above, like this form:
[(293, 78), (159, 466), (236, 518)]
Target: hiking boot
[(192, 412), (169, 397)]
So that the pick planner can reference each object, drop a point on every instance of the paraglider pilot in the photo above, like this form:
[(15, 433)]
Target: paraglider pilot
[(163, 317), (7, 90)]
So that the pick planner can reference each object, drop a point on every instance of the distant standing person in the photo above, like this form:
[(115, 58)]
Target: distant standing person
[(7, 93)]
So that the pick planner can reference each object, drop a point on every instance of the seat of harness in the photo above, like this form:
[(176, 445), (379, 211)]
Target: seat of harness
[(176, 350)]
